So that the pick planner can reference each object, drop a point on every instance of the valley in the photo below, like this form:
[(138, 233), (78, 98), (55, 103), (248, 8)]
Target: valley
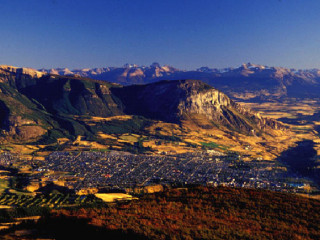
[(219, 140), (87, 141)]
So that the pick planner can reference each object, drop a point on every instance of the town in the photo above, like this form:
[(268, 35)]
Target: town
[(121, 170)]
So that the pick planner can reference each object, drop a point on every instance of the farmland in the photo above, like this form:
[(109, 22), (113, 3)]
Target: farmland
[(52, 200)]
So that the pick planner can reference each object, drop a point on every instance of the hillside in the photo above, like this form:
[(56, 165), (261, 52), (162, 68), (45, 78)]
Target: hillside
[(35, 104), (193, 213), (174, 101), (53, 112)]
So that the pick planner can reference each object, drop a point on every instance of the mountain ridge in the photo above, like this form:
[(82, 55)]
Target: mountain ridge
[(249, 81), (48, 103), (173, 101)]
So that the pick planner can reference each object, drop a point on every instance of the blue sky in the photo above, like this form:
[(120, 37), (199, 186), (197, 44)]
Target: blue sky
[(185, 34)]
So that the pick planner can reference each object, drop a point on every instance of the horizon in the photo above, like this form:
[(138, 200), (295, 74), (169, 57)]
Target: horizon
[(161, 65), (184, 34)]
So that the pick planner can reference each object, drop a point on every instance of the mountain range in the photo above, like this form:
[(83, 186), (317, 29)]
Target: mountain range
[(249, 81), (36, 106)]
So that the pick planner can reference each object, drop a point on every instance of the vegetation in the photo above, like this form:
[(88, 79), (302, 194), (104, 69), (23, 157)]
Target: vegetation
[(134, 125), (302, 159), (212, 145), (4, 184), (194, 213), (168, 137), (52, 200), (75, 106), (10, 215)]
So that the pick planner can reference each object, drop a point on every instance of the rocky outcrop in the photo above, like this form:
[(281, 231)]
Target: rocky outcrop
[(21, 129), (8, 70), (173, 101)]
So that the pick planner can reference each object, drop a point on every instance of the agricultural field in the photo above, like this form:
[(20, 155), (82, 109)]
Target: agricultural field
[(4, 184), (137, 135), (302, 116), (289, 108), (111, 197), (51, 200), (140, 135)]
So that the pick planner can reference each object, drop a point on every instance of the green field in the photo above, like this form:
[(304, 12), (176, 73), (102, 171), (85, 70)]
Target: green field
[(4, 184), (212, 145), (50, 200)]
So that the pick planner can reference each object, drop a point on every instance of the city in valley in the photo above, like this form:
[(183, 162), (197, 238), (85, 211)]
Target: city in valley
[(91, 172), (160, 120)]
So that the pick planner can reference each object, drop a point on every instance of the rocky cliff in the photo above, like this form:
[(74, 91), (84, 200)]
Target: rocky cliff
[(173, 101)]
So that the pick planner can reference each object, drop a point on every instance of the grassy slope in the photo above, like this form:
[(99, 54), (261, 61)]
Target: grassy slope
[(196, 213), (67, 110)]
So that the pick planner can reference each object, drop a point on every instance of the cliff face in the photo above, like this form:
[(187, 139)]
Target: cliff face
[(209, 102), (20, 117), (174, 101), (219, 108)]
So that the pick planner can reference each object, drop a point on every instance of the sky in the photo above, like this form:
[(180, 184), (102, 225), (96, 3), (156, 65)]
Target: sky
[(186, 34)]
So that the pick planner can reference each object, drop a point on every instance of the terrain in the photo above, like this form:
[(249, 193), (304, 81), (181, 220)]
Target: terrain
[(70, 143), (288, 95), (42, 112), (249, 81), (186, 213)]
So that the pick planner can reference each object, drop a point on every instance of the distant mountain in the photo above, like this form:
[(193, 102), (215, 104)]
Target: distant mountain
[(126, 75), (245, 82), (34, 105)]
